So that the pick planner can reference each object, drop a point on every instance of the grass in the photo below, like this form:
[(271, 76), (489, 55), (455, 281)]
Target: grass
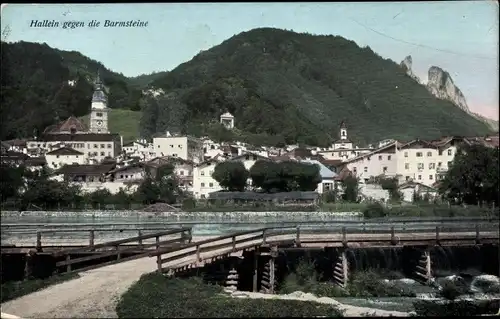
[(123, 122), (155, 296), (15, 289)]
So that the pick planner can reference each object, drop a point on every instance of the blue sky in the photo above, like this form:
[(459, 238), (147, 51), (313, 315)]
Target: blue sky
[(460, 37)]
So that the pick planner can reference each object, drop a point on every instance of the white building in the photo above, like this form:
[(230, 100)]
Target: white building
[(141, 149), (64, 156), (420, 161), (227, 119), (203, 182), (185, 147)]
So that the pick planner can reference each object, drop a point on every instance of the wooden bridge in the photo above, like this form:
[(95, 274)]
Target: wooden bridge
[(174, 248)]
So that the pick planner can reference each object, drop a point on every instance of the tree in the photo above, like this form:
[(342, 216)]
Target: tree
[(162, 188), (473, 176), (12, 181), (391, 185), (231, 175), (350, 185), (285, 176)]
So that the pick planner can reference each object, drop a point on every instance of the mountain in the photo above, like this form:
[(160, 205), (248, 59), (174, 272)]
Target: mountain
[(283, 86), (41, 85), (441, 85)]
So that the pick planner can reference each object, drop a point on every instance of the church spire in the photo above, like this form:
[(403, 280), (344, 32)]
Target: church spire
[(98, 83)]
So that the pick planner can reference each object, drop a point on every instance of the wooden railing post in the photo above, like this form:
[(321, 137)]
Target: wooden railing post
[(234, 243), (297, 237), (139, 233), (68, 266), (91, 238), (264, 234), (437, 235), (198, 257), (344, 236), (38, 241), (393, 236), (478, 240), (190, 233), (158, 256), (118, 252)]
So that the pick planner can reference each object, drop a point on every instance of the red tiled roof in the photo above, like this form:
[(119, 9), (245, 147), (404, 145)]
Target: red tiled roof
[(65, 151), (66, 126)]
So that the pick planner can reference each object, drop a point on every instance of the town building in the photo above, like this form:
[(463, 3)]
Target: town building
[(186, 147)]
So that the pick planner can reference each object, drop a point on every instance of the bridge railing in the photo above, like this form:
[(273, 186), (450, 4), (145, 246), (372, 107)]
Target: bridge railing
[(83, 236), (297, 235), (181, 236)]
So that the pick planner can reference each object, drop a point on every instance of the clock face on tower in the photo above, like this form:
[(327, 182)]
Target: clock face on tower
[(99, 123)]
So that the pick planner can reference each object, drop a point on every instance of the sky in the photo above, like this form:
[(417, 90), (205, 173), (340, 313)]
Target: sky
[(461, 37)]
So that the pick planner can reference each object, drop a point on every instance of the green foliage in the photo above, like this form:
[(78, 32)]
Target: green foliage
[(162, 187), (391, 184), (188, 204), (473, 177), (457, 308), (155, 296), (15, 289), (285, 176), (36, 93), (283, 86), (329, 196), (231, 175), (450, 290), (370, 284), (350, 186), (374, 210)]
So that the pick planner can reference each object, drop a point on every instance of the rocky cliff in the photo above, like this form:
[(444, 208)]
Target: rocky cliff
[(406, 64), (440, 84)]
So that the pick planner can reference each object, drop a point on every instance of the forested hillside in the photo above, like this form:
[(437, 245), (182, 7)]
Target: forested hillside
[(41, 85), (284, 87)]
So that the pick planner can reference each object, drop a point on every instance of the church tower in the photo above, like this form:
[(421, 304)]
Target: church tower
[(99, 109), (343, 131)]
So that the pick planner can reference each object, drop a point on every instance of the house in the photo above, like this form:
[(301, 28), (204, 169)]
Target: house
[(410, 189), (186, 147), (64, 156), (327, 177), (203, 182), (134, 172), (140, 148), (421, 160), (85, 173), (74, 134), (382, 161)]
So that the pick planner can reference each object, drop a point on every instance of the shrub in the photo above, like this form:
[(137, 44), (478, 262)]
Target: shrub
[(374, 210), (461, 308), (452, 289), (329, 197), (155, 296), (370, 284), (188, 204)]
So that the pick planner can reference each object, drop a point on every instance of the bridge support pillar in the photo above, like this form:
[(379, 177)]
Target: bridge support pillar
[(424, 267), (268, 282), (256, 256), (232, 280), (341, 269)]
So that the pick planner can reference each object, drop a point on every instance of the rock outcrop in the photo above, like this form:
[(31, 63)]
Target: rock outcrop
[(440, 84), (406, 64)]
